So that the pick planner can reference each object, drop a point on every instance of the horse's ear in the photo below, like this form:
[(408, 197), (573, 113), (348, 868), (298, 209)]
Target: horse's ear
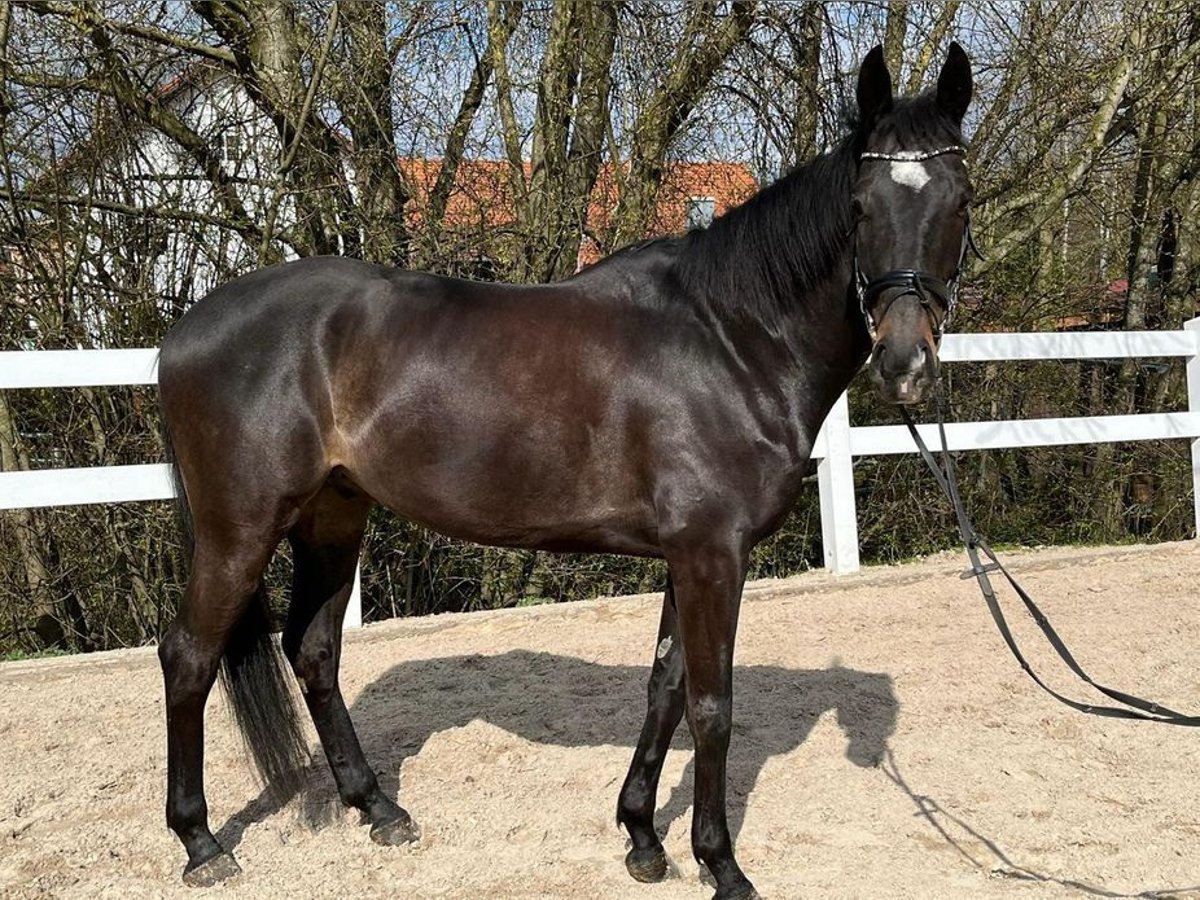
[(874, 89), (954, 84)]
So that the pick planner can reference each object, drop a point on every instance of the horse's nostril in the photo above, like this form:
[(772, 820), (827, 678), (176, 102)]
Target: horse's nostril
[(920, 360)]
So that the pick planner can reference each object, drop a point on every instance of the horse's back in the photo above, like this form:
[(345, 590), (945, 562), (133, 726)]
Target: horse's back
[(286, 326), (430, 392), (280, 299), (550, 416)]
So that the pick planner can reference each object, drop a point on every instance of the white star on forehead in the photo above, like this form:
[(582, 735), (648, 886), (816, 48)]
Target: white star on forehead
[(909, 173)]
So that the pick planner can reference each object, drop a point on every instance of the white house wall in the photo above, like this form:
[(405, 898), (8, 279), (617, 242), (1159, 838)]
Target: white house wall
[(151, 172)]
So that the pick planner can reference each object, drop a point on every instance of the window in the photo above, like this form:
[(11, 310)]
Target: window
[(700, 212), (231, 146)]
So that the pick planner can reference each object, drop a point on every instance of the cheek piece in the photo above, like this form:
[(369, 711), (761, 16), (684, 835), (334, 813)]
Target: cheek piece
[(937, 297)]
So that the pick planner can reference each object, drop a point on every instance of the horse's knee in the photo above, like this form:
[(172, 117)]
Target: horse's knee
[(711, 717), (168, 648)]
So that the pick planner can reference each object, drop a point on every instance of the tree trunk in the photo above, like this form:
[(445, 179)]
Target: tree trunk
[(1139, 257), (706, 44), (893, 38), (508, 15), (807, 49), (933, 43), (598, 34), (367, 105), (557, 77), (265, 39), (43, 611)]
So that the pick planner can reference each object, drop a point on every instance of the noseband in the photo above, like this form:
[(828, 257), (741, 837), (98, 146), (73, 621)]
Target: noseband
[(925, 286)]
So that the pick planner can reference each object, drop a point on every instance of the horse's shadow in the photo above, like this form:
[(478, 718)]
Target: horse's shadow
[(565, 701)]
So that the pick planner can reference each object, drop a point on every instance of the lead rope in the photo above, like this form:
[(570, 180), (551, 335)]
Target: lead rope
[(1144, 710)]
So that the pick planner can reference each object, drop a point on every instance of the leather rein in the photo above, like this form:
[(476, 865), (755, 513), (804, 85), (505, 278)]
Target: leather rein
[(926, 287), (1133, 707)]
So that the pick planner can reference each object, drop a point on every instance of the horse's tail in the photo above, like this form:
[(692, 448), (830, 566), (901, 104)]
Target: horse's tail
[(253, 672)]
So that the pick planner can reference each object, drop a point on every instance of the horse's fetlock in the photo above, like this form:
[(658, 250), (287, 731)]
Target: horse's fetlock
[(360, 789), (185, 814), (711, 844), (631, 807)]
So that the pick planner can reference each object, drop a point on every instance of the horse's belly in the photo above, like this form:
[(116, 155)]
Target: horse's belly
[(518, 522), (517, 495)]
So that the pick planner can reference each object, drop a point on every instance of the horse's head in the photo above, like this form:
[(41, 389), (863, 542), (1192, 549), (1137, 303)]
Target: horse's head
[(911, 201)]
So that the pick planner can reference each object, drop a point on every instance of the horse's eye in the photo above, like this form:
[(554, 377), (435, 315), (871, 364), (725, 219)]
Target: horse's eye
[(856, 209)]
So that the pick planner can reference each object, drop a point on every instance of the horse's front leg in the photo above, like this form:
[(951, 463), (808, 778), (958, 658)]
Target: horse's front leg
[(646, 860), (708, 579)]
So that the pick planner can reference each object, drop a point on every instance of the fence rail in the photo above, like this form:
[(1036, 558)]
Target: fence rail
[(839, 442), (835, 448), (97, 484)]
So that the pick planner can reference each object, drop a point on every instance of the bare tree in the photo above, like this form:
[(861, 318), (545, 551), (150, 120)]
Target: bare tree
[(707, 41), (150, 151)]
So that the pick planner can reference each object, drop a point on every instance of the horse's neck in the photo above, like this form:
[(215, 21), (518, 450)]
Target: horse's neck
[(828, 345), (801, 276)]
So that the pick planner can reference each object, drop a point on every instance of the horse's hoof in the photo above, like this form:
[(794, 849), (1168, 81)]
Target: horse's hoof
[(648, 866), (746, 892), (211, 871), (396, 832)]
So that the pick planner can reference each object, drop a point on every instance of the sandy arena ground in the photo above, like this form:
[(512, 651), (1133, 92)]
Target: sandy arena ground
[(885, 745)]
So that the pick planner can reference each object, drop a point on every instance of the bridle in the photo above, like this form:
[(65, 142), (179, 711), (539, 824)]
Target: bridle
[(925, 286)]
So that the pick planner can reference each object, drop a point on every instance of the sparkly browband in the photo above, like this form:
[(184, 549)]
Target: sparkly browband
[(916, 155)]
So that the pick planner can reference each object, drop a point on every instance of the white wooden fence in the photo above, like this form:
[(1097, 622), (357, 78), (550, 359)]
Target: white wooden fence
[(836, 445), (839, 442)]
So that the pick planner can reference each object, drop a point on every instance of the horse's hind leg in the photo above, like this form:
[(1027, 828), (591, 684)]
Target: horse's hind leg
[(325, 544), (226, 573), (647, 861)]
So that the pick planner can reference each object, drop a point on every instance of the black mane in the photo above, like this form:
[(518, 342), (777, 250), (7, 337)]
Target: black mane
[(781, 244), (778, 245)]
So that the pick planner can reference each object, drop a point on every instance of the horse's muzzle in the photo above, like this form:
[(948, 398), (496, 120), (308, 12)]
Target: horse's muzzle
[(901, 374)]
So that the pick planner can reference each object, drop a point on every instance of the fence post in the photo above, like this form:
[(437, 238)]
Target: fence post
[(353, 616), (835, 479), (1192, 326)]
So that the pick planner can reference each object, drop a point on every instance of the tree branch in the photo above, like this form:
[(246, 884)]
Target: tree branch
[(1084, 158), (133, 29), (472, 99), (937, 34), (691, 72)]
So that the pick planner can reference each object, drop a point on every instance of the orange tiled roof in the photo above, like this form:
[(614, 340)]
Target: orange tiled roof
[(483, 195)]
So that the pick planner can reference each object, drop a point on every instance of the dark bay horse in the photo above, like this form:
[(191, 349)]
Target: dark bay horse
[(661, 403)]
